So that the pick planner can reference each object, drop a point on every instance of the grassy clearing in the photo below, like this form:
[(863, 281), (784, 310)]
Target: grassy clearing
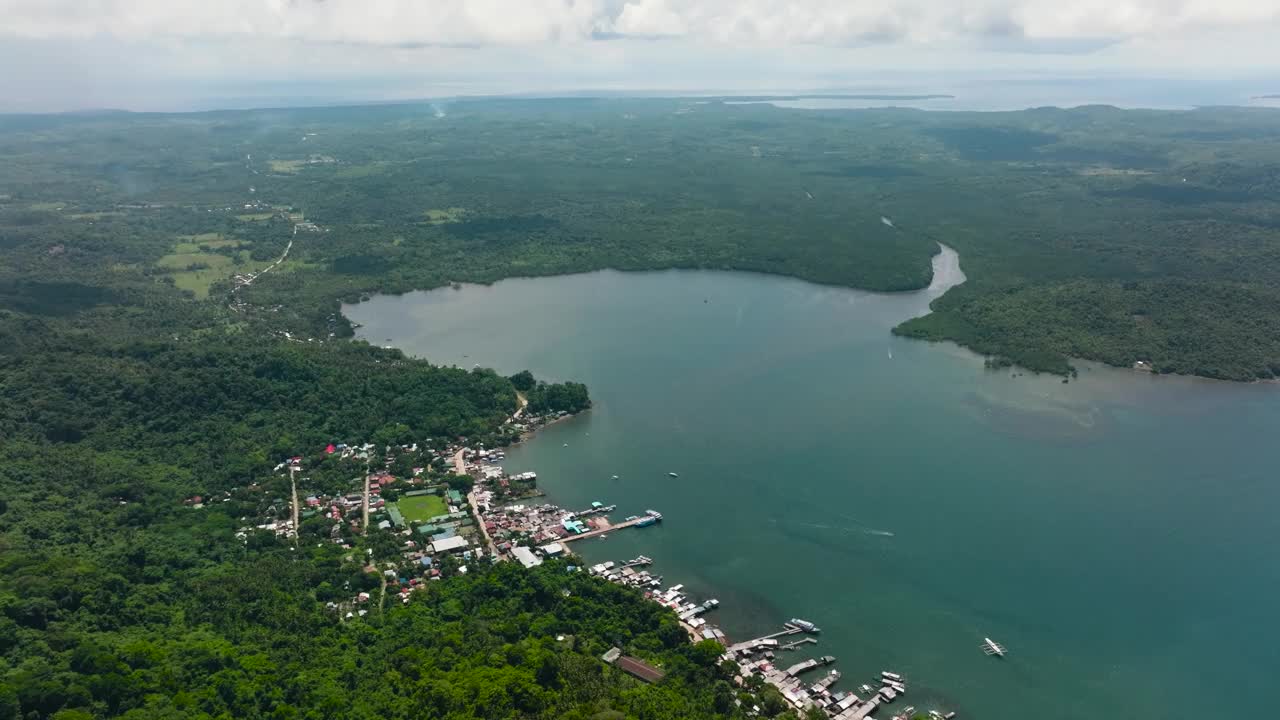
[(46, 206), (350, 172), (96, 215), (197, 271), (288, 167), (255, 217), (190, 244), (421, 508), (440, 216)]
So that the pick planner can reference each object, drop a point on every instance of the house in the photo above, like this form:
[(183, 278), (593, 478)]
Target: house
[(552, 549), (639, 669)]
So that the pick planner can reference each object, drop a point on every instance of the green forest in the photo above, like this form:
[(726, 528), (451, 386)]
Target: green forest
[(1094, 232), (170, 289)]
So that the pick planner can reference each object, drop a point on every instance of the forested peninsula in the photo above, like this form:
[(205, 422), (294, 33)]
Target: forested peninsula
[(169, 330)]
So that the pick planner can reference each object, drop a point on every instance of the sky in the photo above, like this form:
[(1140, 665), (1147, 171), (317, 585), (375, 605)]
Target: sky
[(199, 54)]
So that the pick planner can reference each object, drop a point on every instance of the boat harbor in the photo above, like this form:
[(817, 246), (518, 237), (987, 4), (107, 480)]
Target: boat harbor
[(756, 658), (529, 533)]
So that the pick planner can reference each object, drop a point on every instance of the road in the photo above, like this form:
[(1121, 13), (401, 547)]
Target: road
[(460, 468)]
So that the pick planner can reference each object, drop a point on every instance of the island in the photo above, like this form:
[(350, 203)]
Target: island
[(198, 459)]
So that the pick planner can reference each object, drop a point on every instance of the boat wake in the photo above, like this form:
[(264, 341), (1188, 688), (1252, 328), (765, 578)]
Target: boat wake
[(851, 528)]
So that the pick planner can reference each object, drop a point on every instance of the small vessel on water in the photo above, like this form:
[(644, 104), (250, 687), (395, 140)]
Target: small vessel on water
[(674, 475), (651, 518), (805, 625), (992, 648), (895, 677), (615, 477)]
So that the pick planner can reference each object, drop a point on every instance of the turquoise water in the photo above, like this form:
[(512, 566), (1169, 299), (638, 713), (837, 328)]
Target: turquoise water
[(1115, 533)]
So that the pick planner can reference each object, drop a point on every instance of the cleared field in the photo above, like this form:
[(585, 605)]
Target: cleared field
[(254, 217), (286, 166), (193, 243), (421, 508), (440, 216), (198, 271)]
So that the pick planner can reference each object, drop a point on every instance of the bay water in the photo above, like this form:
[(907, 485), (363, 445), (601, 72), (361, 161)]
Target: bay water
[(1116, 533)]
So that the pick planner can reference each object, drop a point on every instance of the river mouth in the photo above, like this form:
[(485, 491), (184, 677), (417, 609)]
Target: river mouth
[(893, 491)]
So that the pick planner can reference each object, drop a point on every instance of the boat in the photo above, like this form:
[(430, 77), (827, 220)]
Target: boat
[(615, 477), (646, 522), (674, 475), (805, 625), (992, 648), (906, 713), (891, 676), (653, 514)]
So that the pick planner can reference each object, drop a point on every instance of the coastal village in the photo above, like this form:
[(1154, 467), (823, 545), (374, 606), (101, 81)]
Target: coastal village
[(447, 506)]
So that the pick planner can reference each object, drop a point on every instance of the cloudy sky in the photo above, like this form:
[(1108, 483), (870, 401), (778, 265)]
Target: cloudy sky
[(178, 54)]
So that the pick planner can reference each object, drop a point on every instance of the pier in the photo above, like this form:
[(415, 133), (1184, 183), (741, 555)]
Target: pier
[(749, 644), (798, 643), (602, 531)]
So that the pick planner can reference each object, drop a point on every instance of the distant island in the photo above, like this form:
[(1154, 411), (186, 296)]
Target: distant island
[(1266, 97), (769, 98)]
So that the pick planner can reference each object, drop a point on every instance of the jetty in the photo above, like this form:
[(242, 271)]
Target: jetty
[(642, 521), (764, 640), (992, 648), (798, 643)]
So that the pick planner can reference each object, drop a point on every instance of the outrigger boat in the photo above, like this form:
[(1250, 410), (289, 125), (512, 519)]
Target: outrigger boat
[(992, 648)]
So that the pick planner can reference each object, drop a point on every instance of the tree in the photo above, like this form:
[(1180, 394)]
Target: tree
[(523, 381)]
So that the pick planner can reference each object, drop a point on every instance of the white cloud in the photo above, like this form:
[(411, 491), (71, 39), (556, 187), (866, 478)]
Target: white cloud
[(159, 54), (739, 22)]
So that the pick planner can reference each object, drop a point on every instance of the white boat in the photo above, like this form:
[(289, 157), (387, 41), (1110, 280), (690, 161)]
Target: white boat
[(674, 475), (993, 648), (805, 625)]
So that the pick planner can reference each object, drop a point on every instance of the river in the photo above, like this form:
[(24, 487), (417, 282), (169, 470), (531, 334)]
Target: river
[(1115, 533)]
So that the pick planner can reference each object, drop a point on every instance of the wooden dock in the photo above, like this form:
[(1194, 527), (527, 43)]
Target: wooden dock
[(798, 643)]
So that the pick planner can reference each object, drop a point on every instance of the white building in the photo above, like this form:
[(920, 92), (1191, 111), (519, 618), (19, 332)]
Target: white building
[(525, 556)]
